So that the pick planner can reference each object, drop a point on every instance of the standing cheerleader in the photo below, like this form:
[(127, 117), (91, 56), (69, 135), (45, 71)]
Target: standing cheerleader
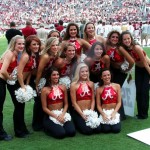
[(8, 63)]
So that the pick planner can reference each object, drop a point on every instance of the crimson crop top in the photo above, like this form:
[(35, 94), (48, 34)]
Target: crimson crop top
[(92, 41), (66, 70), (77, 45), (30, 65), (114, 55), (84, 92), (97, 66), (55, 96), (134, 55), (109, 95), (49, 64), (11, 66)]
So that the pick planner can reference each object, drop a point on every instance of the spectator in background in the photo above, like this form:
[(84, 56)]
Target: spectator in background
[(42, 33), (60, 26), (28, 30), (144, 35), (10, 33)]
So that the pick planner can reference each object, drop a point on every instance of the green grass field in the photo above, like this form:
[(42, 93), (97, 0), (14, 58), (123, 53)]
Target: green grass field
[(40, 141)]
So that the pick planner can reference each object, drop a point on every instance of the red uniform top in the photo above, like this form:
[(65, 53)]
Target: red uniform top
[(55, 96), (109, 95), (77, 45), (66, 70), (60, 28), (30, 65), (134, 55), (27, 31), (11, 66), (114, 55), (49, 64), (84, 92), (92, 41), (97, 66)]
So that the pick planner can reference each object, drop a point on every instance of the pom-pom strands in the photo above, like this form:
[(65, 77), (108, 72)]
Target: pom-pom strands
[(25, 95), (67, 117), (92, 118)]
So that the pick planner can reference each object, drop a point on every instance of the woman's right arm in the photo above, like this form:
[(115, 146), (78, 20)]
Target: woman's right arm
[(44, 103), (99, 105), (74, 100), (23, 61), (6, 63), (41, 66)]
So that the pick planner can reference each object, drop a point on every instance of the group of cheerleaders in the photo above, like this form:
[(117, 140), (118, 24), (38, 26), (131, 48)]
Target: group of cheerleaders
[(96, 68)]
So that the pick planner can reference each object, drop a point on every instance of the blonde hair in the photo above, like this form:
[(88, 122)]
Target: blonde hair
[(48, 45), (77, 72), (12, 44)]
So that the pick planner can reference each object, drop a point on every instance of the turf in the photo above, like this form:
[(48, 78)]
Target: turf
[(40, 141)]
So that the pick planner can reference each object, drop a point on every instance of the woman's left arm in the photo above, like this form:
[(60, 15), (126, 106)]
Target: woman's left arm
[(127, 56), (65, 100), (143, 58), (118, 104), (93, 96), (85, 44)]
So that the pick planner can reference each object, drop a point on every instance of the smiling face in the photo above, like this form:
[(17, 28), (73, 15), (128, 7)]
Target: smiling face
[(54, 77), (70, 52), (73, 31), (34, 46), (126, 40), (19, 46), (84, 73), (90, 30), (106, 77), (98, 50), (114, 39)]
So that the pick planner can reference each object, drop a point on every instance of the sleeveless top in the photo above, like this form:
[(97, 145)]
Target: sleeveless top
[(114, 55), (134, 55), (84, 92), (49, 64), (97, 66), (31, 64), (91, 42), (66, 70), (55, 96), (11, 66), (109, 95), (77, 45)]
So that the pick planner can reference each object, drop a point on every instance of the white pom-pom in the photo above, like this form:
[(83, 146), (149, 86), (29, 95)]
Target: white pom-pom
[(125, 66), (14, 77), (25, 95), (83, 56), (65, 81), (41, 84), (67, 117), (111, 121), (92, 118)]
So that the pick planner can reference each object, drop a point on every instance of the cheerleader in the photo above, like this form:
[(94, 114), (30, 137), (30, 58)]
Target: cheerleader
[(108, 101), (8, 63), (82, 97), (142, 73), (57, 122), (97, 60)]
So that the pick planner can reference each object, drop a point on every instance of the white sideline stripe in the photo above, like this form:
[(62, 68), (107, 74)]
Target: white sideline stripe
[(142, 136)]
